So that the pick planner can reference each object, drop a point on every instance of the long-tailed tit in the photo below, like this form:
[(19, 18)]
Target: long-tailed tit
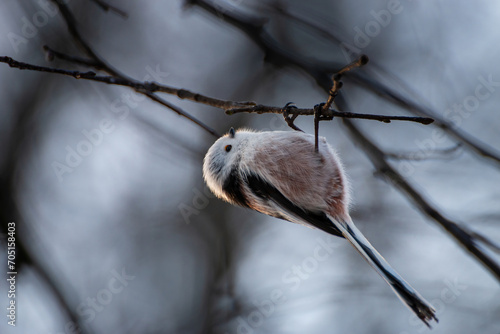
[(279, 173)]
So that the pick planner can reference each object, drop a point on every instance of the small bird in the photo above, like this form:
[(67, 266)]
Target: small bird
[(279, 173)]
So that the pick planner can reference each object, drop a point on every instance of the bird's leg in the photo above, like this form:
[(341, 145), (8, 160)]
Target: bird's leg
[(318, 116), (290, 118)]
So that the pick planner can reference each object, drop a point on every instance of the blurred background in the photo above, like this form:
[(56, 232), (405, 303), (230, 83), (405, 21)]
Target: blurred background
[(106, 188)]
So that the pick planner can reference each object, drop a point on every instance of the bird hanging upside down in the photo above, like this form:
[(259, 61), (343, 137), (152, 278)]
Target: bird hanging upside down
[(280, 174)]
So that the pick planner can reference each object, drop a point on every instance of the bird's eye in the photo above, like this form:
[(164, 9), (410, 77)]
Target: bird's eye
[(228, 148)]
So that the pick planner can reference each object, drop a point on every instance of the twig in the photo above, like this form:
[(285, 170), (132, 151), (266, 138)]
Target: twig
[(89, 75), (444, 153), (231, 107), (337, 84), (181, 112), (392, 96), (50, 54), (262, 109), (150, 87)]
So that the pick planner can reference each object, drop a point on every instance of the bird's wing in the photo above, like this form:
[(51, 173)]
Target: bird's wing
[(268, 194)]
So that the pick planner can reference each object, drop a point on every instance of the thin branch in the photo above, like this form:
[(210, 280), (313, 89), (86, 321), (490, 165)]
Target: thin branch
[(337, 84), (150, 87), (444, 153), (263, 109), (474, 144), (89, 75), (50, 54), (231, 107), (181, 112), (332, 94)]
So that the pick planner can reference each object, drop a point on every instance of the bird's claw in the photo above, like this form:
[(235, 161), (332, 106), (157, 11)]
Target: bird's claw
[(290, 118)]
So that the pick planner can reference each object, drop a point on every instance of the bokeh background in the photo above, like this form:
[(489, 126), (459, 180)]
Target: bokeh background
[(135, 243)]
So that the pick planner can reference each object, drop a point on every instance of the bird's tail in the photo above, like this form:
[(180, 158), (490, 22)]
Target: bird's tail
[(403, 290)]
